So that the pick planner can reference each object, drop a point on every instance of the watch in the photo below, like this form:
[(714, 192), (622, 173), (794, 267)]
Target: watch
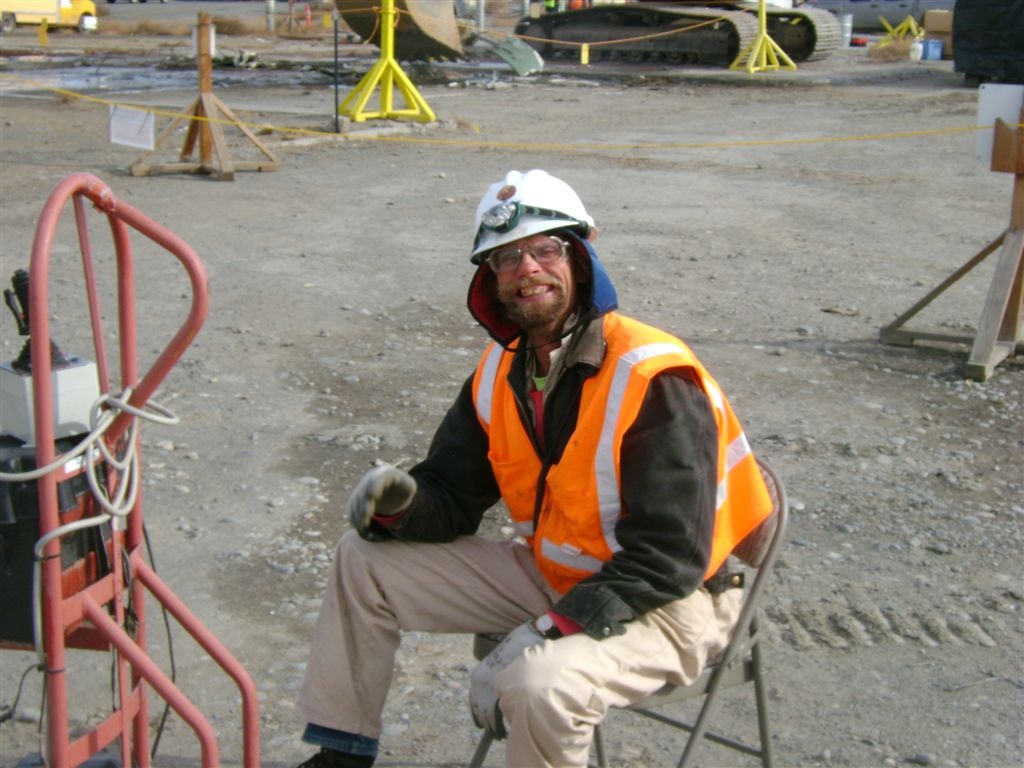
[(546, 627)]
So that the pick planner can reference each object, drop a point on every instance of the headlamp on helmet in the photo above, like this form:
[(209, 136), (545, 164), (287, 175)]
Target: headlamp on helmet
[(504, 217)]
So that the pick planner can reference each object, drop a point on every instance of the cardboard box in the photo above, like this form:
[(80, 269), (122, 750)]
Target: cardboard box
[(938, 25), (938, 22)]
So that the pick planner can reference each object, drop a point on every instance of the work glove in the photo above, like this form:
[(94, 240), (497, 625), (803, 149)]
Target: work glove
[(383, 491), (483, 693)]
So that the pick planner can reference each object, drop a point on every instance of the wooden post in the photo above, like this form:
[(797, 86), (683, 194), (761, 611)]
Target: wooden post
[(203, 57), (999, 333)]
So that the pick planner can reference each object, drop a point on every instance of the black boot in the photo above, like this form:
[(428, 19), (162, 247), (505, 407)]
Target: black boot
[(328, 758)]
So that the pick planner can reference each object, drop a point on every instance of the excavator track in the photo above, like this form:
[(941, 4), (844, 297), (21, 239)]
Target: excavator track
[(805, 34), (667, 31), (641, 32)]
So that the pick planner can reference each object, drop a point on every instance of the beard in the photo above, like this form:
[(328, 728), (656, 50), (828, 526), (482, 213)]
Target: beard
[(535, 315)]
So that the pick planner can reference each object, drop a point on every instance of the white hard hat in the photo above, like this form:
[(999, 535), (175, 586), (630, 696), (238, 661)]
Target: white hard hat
[(524, 204)]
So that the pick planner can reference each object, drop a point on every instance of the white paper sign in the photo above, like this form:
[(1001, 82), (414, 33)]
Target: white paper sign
[(132, 127), (996, 100)]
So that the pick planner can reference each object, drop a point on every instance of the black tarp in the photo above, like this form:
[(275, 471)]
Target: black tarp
[(988, 39)]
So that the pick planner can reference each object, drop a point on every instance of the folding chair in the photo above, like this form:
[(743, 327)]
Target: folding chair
[(739, 663)]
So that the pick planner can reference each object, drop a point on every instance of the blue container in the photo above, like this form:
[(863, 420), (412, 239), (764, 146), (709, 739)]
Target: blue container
[(931, 50)]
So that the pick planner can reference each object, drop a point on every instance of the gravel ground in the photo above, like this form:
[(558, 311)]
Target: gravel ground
[(776, 222)]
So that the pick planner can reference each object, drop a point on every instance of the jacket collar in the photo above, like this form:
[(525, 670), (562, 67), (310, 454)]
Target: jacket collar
[(587, 347)]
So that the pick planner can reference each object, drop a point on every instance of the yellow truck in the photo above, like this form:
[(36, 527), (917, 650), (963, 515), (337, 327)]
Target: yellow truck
[(80, 14)]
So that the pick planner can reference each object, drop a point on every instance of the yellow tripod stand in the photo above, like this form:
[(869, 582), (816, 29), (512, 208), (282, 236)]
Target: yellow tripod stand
[(388, 75), (763, 53)]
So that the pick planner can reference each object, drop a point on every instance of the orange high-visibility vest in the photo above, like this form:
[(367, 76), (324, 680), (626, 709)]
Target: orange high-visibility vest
[(581, 505)]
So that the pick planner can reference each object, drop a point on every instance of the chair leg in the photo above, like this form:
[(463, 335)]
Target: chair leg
[(482, 747), (602, 758), (700, 727), (761, 696)]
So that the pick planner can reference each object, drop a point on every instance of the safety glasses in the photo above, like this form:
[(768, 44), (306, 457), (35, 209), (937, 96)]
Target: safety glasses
[(548, 251)]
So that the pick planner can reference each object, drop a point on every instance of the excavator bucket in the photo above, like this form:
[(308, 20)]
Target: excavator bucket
[(425, 29)]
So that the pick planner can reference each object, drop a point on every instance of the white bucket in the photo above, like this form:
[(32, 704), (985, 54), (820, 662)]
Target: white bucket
[(846, 26)]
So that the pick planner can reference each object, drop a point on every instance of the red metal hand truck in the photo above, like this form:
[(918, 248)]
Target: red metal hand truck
[(97, 602)]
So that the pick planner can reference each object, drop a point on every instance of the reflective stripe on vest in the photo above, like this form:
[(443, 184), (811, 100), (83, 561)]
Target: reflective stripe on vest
[(605, 468), (485, 395)]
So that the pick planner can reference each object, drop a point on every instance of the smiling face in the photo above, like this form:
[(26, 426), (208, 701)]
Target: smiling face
[(537, 297)]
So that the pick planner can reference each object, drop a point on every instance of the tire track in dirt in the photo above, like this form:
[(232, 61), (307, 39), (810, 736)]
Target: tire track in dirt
[(854, 623)]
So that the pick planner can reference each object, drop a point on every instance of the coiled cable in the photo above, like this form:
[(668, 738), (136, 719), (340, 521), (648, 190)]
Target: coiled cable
[(117, 502)]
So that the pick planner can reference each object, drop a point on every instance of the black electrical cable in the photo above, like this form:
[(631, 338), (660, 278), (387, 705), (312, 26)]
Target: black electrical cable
[(170, 650), (7, 711)]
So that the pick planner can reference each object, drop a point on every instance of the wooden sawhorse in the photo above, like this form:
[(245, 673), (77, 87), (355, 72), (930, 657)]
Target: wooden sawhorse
[(999, 333)]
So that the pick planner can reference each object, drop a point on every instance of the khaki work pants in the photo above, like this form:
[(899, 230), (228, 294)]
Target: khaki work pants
[(551, 697)]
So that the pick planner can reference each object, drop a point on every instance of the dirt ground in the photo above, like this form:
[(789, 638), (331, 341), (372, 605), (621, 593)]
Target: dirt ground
[(776, 221)]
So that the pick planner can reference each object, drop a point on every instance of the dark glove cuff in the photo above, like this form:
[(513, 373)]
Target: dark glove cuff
[(375, 532)]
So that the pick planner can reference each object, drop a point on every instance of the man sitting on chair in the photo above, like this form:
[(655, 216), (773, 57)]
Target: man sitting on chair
[(628, 479)]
